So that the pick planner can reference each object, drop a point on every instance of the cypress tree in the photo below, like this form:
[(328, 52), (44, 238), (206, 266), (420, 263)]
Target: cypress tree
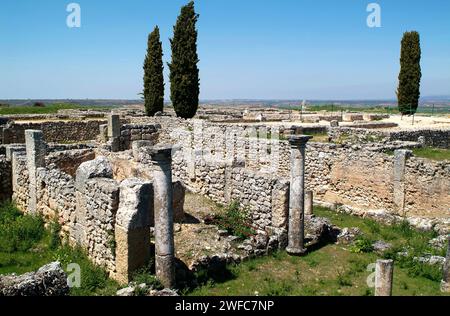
[(153, 75), (184, 73), (408, 92)]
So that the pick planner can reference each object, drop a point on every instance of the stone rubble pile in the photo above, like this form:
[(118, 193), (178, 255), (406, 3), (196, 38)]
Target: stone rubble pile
[(50, 280)]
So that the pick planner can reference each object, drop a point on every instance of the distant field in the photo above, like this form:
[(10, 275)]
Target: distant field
[(48, 109), (370, 109), (336, 108)]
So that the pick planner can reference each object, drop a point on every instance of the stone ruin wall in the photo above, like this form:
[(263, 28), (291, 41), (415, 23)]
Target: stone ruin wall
[(354, 176), (54, 131), (83, 195), (357, 177), (431, 137)]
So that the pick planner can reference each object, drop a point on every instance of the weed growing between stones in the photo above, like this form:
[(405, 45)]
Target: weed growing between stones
[(236, 221)]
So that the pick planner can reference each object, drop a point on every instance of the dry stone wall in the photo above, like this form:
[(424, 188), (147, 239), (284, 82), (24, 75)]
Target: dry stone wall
[(54, 131), (429, 137)]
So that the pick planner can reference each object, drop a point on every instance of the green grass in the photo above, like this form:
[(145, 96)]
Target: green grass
[(437, 154), (338, 108), (48, 109), (319, 137), (25, 246), (334, 269)]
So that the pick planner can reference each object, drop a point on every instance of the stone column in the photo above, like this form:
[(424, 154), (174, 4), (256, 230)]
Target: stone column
[(297, 195), (163, 209), (445, 285), (309, 203), (36, 151), (384, 273), (114, 132)]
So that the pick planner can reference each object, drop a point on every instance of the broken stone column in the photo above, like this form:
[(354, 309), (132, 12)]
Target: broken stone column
[(36, 151), (445, 285), (309, 203), (132, 231), (384, 273), (297, 195), (163, 209), (114, 132)]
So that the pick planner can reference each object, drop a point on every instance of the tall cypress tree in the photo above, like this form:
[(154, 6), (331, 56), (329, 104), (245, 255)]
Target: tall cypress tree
[(153, 75), (184, 73), (408, 92)]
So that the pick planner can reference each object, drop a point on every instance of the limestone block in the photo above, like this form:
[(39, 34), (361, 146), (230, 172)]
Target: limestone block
[(132, 251), (97, 168), (280, 204), (114, 126), (136, 201)]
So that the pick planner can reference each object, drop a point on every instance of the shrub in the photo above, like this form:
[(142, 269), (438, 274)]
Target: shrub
[(18, 232), (236, 221), (362, 245), (419, 269)]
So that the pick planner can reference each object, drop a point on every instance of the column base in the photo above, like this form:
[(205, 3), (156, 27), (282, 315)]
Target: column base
[(296, 251), (445, 287), (165, 270)]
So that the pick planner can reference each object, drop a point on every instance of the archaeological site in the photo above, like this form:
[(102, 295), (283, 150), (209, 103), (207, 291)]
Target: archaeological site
[(227, 155), (130, 189)]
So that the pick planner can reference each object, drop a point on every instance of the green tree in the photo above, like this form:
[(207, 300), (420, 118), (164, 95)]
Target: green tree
[(153, 75), (184, 73), (408, 92)]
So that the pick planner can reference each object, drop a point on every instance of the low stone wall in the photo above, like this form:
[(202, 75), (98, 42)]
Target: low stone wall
[(5, 179), (54, 131), (68, 161), (430, 137), (134, 132)]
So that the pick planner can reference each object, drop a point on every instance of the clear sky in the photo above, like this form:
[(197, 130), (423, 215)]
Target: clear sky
[(255, 49)]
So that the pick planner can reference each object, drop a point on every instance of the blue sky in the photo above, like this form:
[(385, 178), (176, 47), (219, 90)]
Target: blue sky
[(255, 49)]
